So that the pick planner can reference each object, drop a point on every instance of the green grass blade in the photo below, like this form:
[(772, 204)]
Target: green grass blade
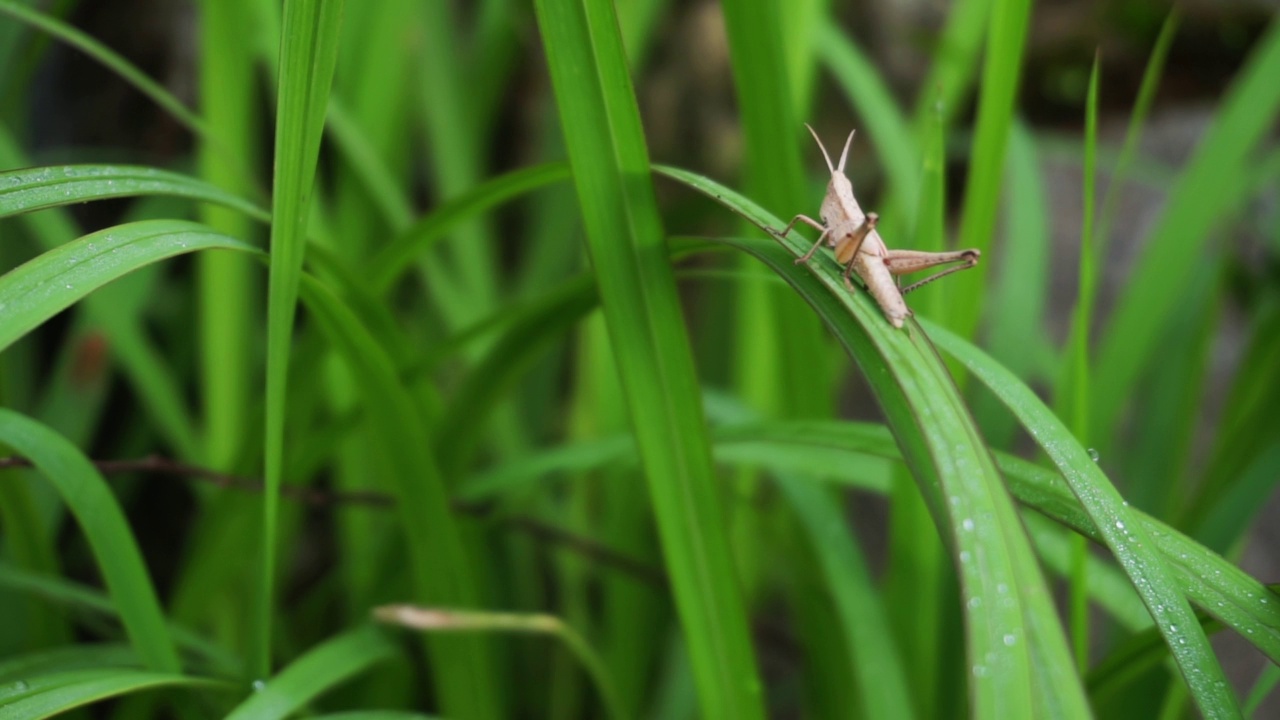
[(308, 53), (1207, 190), (49, 695), (1127, 539), (121, 67), (89, 498), (880, 677), (80, 601), (228, 80), (607, 152), (1019, 297), (955, 62), (318, 671), (1137, 120), (33, 189), (1005, 593), (440, 567), (37, 290), (70, 657), (1072, 394), (393, 259), (1006, 37), (777, 336)]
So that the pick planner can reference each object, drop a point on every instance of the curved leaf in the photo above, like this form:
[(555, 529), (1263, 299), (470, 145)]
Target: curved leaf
[(1119, 527), (44, 187), (1007, 604), (42, 287), (48, 695), (321, 669), (104, 525)]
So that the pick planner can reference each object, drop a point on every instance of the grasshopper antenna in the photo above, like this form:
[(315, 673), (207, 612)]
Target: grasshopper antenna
[(844, 154), (823, 148)]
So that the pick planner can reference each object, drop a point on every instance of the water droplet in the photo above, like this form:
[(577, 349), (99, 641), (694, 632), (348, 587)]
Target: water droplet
[(975, 602), (1120, 524), (965, 556), (1010, 639), (20, 685), (979, 670), (259, 685), (967, 524), (1093, 454)]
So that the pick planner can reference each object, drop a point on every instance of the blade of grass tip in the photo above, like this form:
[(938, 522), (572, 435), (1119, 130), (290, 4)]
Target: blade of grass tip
[(322, 668), (955, 62), (1129, 541), (1206, 191), (1072, 393), (100, 518), (226, 306), (308, 52), (1006, 36), (602, 130), (1137, 120)]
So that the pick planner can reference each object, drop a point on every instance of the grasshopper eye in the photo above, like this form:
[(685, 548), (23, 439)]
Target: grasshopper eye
[(823, 218)]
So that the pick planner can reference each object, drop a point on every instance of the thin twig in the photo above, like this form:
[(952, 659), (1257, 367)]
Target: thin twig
[(549, 534)]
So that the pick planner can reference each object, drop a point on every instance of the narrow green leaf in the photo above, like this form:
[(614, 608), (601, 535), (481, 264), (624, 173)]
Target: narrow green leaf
[(318, 671), (308, 53), (90, 500), (1206, 191), (49, 695), (607, 152), (37, 290), (33, 189), (1127, 539), (1006, 37), (440, 567), (1006, 598)]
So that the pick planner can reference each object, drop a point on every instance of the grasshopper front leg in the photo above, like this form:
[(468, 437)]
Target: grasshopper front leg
[(902, 262), (811, 223)]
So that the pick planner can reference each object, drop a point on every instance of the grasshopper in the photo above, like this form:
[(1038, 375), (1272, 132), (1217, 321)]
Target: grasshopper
[(860, 250)]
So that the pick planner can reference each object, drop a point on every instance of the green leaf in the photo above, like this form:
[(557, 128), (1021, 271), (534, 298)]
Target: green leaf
[(48, 695), (41, 288), (321, 669), (1011, 624), (1125, 536), (1210, 188), (107, 531), (308, 53), (607, 152), (33, 189), (1006, 36), (439, 565)]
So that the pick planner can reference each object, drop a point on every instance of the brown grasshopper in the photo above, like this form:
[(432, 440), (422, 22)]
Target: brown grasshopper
[(860, 250)]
